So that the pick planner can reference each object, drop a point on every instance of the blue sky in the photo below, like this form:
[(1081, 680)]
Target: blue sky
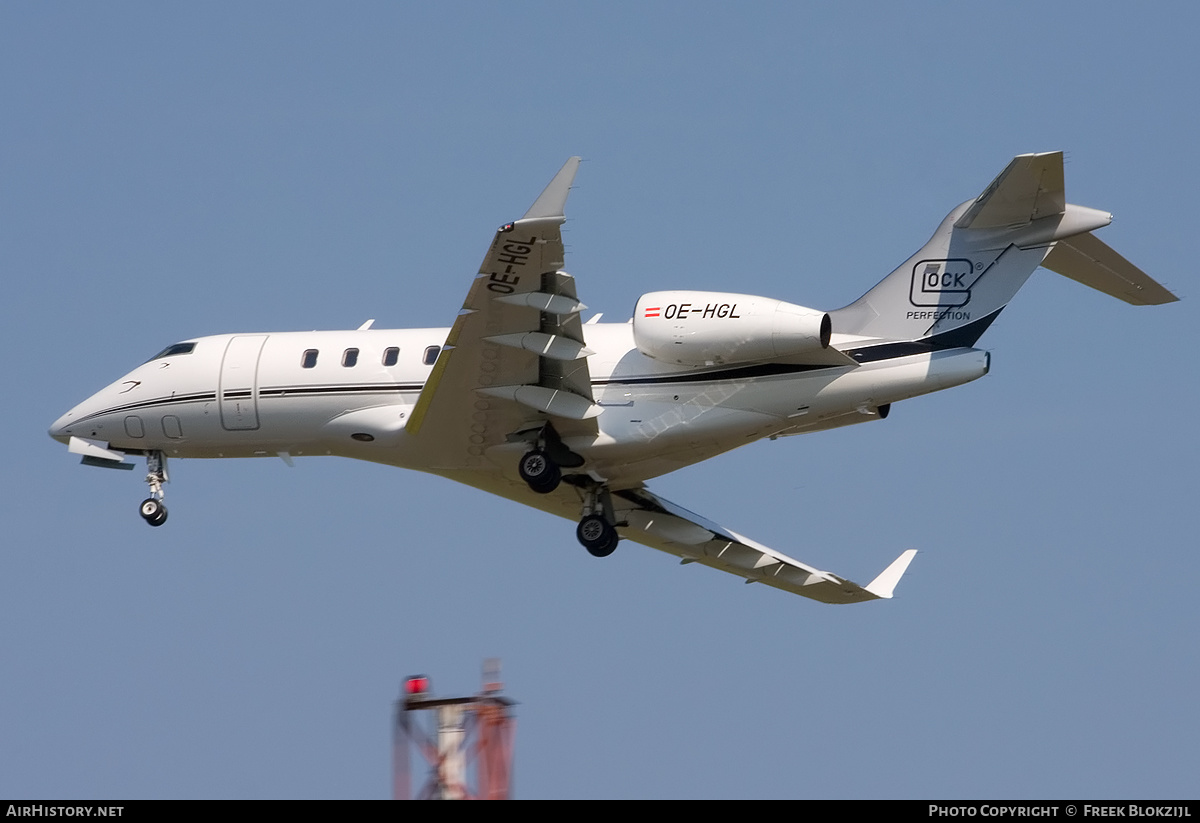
[(175, 170)]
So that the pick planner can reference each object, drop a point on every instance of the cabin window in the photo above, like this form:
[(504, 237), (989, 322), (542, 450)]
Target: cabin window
[(350, 357), (390, 356), (310, 359), (431, 355)]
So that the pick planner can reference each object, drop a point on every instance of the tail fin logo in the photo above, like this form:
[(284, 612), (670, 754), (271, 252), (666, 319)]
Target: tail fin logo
[(943, 283)]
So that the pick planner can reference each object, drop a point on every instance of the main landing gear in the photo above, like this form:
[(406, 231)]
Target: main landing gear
[(152, 509), (541, 473), (541, 469), (597, 528), (597, 535)]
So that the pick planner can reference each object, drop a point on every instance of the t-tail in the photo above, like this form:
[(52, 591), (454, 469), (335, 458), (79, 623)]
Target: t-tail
[(950, 291)]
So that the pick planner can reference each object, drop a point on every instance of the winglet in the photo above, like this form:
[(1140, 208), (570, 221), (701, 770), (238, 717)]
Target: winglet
[(883, 585), (553, 201)]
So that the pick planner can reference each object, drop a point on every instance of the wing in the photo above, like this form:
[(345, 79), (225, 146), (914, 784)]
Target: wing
[(660, 524), (515, 356), (643, 517)]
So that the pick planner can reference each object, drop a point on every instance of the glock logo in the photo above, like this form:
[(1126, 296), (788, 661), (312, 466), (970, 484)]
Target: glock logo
[(944, 283)]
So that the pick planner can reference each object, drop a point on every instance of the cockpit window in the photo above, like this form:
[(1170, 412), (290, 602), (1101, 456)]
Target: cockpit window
[(171, 351)]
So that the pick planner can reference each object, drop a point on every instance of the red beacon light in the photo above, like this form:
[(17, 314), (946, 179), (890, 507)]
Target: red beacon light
[(416, 686)]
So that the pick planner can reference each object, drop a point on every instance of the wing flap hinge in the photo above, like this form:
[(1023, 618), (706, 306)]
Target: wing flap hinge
[(557, 402)]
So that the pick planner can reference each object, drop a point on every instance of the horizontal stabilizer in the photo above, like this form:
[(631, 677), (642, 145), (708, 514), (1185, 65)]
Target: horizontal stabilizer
[(1031, 186), (1092, 262)]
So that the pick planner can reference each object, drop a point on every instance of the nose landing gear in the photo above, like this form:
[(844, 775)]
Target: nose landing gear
[(152, 509)]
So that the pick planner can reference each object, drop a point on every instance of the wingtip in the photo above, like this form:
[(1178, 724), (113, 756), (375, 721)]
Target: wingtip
[(553, 201), (883, 585)]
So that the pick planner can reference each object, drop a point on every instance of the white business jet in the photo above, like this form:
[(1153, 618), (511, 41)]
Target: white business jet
[(522, 399)]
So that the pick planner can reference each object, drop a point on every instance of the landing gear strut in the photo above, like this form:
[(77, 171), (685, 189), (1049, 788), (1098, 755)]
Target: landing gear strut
[(152, 509), (597, 528)]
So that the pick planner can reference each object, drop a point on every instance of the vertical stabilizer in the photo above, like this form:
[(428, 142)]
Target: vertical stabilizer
[(951, 290)]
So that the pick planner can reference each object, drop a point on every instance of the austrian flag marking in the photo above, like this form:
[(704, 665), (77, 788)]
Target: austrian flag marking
[(653, 312)]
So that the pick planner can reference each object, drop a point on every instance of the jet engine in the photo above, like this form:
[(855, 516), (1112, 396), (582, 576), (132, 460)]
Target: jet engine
[(704, 328)]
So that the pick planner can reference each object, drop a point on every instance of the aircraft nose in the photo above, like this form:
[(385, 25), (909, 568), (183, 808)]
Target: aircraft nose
[(88, 417), (67, 425), (58, 429)]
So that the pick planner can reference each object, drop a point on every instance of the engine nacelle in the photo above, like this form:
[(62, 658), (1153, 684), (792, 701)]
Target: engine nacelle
[(705, 328)]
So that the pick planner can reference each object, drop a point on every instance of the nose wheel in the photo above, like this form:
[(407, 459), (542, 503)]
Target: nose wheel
[(152, 510)]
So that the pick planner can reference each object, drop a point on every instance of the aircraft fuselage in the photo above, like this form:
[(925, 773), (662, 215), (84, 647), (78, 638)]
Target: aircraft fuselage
[(350, 393)]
